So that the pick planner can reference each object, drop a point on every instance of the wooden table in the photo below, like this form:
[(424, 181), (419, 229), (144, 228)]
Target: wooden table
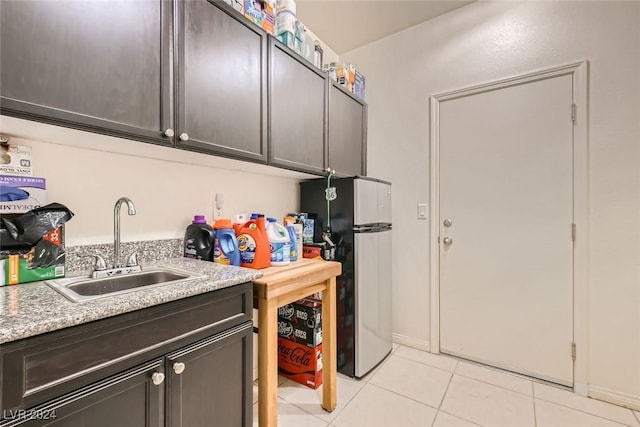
[(277, 287)]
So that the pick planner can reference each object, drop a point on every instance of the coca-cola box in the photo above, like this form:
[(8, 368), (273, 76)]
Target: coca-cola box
[(300, 363), (301, 321)]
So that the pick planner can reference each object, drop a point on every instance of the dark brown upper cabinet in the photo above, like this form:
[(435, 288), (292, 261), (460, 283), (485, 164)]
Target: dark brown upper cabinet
[(347, 132), (297, 111), (221, 81), (193, 74), (97, 66)]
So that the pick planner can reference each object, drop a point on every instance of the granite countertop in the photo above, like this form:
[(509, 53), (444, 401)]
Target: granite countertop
[(34, 308)]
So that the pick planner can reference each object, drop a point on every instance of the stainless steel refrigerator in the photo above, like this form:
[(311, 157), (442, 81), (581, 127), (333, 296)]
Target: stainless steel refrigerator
[(360, 223)]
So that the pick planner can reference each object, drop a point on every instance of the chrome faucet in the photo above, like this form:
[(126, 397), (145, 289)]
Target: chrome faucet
[(131, 210)]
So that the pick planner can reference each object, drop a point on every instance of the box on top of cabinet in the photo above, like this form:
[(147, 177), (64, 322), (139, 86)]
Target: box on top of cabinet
[(15, 160), (359, 85), (253, 11), (20, 194)]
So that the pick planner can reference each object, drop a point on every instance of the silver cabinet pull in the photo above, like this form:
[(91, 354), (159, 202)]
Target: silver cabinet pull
[(168, 133), (447, 241), (178, 367), (184, 136), (157, 378), (447, 222)]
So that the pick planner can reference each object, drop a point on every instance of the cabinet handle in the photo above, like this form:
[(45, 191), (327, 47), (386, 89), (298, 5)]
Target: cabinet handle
[(168, 133), (157, 378), (178, 367), (184, 136)]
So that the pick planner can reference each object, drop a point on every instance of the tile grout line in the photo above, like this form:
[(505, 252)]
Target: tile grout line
[(637, 415), (496, 385), (337, 412), (463, 419), (444, 394), (533, 382), (454, 371), (427, 364), (622, 423), (403, 396), (580, 410), (533, 397)]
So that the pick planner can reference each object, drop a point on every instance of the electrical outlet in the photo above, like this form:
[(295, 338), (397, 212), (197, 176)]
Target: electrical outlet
[(218, 204)]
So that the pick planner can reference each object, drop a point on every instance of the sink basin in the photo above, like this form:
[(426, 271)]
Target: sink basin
[(79, 289)]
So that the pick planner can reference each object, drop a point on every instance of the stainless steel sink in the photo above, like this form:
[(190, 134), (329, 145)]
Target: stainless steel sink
[(79, 289)]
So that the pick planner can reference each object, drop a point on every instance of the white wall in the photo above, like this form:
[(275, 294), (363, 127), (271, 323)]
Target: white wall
[(486, 41), (89, 172)]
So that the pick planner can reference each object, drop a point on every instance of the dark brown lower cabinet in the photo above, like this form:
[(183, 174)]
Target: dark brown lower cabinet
[(204, 384), (186, 363), (129, 399), (209, 384)]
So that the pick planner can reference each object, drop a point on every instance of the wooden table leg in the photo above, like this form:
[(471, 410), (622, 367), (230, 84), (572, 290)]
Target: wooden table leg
[(329, 346), (267, 363)]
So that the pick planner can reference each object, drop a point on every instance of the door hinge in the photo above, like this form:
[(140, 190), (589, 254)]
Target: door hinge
[(573, 351), (574, 113), (573, 232), (438, 239)]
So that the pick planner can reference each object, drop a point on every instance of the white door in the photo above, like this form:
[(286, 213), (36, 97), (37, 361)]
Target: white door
[(506, 258)]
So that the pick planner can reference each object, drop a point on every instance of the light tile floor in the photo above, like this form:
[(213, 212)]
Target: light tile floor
[(413, 388)]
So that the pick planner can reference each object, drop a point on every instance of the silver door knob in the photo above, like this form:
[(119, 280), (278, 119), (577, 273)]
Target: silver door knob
[(157, 378), (447, 222), (447, 241), (184, 136), (178, 367), (168, 133)]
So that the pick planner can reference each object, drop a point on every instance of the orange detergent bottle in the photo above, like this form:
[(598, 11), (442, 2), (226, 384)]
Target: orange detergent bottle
[(253, 243)]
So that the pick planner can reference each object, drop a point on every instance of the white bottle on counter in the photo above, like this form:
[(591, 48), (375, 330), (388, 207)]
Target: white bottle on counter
[(280, 243)]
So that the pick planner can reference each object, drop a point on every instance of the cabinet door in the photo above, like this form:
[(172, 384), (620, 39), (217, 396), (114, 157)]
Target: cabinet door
[(94, 65), (347, 132), (209, 382), (297, 119), (221, 81), (130, 399)]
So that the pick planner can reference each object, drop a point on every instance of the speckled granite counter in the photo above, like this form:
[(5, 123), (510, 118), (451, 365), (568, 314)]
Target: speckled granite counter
[(34, 308)]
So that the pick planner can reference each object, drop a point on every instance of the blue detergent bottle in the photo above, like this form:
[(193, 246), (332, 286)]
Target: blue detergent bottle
[(225, 245), (293, 242)]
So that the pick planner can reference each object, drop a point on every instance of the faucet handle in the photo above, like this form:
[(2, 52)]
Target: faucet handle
[(132, 260), (100, 262)]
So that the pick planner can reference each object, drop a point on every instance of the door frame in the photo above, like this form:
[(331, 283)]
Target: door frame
[(579, 71)]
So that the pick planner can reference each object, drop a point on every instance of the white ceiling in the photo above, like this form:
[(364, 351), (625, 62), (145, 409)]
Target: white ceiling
[(346, 25)]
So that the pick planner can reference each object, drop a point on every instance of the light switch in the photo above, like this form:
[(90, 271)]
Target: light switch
[(423, 210)]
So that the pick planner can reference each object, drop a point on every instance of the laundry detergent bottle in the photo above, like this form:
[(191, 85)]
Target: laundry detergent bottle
[(225, 243), (293, 242), (280, 243), (253, 244), (198, 239)]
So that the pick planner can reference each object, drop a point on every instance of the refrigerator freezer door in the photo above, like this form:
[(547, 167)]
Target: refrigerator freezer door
[(372, 202), (365, 204), (384, 203), (372, 299)]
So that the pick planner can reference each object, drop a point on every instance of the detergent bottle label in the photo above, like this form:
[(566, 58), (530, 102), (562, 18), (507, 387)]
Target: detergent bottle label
[(280, 252), (247, 247), (218, 255)]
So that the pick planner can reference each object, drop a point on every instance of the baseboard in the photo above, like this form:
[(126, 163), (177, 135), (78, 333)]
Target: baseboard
[(581, 389), (617, 398), (411, 342)]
